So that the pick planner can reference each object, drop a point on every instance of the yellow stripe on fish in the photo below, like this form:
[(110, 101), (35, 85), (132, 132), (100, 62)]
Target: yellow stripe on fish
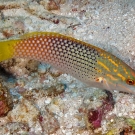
[(103, 65), (82, 60)]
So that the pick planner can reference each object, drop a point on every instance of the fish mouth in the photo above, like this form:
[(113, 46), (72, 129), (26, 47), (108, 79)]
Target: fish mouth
[(117, 86), (111, 86), (126, 88)]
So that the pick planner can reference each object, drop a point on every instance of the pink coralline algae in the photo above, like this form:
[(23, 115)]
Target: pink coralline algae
[(95, 116)]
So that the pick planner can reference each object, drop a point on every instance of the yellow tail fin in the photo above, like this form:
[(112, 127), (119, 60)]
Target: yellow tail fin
[(7, 49)]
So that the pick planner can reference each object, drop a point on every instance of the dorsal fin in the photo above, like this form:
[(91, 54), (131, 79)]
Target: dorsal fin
[(32, 34), (40, 33)]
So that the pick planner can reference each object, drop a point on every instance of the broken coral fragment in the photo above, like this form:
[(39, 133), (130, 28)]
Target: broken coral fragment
[(51, 4), (6, 103), (20, 67), (14, 128), (24, 112), (54, 72), (35, 94), (49, 123)]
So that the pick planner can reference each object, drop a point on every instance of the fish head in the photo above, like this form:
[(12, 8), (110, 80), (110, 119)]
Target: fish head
[(121, 81)]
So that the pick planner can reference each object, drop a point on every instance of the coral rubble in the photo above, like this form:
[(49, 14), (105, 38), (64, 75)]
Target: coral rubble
[(46, 101), (6, 103)]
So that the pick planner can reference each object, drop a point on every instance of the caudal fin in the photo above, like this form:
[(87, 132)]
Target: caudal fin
[(7, 49)]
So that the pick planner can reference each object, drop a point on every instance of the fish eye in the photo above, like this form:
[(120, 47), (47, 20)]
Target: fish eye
[(130, 81)]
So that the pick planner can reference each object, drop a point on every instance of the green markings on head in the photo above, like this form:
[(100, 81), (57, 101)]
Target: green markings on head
[(114, 69)]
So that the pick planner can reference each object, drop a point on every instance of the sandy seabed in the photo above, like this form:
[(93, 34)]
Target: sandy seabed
[(44, 100)]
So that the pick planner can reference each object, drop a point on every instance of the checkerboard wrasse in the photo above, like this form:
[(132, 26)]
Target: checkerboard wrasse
[(87, 63)]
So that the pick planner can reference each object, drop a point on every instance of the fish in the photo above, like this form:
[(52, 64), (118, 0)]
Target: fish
[(87, 63)]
